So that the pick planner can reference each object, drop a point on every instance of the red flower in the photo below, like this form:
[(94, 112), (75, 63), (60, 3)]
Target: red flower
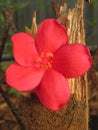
[(45, 62)]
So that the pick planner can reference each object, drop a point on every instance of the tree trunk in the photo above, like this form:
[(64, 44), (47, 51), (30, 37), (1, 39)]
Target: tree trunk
[(75, 115)]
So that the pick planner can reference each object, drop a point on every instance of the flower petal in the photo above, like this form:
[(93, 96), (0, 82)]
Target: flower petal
[(72, 60), (23, 78), (53, 91), (50, 36), (24, 49)]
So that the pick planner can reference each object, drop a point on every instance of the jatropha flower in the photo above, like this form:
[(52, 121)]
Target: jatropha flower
[(43, 63)]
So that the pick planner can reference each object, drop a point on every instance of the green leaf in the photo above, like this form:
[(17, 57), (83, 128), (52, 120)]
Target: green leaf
[(4, 65), (13, 91)]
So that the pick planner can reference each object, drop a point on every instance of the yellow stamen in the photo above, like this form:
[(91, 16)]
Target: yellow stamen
[(44, 61)]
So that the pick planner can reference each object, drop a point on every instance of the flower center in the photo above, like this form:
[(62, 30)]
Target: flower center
[(44, 60)]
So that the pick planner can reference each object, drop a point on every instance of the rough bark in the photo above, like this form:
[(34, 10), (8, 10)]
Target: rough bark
[(75, 115)]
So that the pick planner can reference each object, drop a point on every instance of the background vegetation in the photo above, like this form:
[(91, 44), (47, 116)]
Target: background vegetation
[(24, 10)]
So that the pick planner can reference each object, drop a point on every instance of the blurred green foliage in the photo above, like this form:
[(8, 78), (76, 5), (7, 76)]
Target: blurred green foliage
[(14, 92), (95, 3), (8, 3), (4, 65), (42, 4), (91, 22), (17, 7)]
